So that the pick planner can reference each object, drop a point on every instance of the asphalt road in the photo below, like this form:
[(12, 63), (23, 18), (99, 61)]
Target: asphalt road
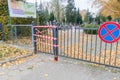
[(43, 67)]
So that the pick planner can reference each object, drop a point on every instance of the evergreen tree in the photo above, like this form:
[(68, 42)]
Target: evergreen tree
[(46, 15), (43, 15), (102, 18), (97, 19), (70, 11), (51, 18), (109, 18), (79, 17), (88, 17)]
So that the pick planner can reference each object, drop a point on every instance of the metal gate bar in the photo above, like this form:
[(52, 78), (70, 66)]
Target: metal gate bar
[(84, 44), (78, 43), (45, 40)]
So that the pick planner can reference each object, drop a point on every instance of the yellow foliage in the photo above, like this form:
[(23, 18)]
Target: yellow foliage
[(4, 19), (109, 7), (8, 52)]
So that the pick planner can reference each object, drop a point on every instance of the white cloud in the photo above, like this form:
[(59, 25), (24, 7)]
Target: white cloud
[(82, 4)]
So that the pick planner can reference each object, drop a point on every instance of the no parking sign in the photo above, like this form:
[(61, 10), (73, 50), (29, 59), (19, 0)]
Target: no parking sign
[(109, 32)]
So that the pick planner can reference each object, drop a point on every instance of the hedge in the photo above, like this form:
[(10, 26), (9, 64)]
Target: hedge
[(91, 31)]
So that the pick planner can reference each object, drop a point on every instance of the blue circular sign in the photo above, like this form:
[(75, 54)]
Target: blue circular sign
[(109, 32)]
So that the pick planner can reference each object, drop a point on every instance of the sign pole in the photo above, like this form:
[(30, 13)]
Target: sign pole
[(10, 20), (37, 18)]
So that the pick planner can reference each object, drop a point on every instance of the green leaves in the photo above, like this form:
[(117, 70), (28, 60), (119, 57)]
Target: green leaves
[(51, 16)]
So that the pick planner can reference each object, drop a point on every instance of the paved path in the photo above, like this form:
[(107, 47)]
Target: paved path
[(43, 67)]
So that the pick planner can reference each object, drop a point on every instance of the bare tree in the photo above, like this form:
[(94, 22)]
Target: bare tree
[(58, 9)]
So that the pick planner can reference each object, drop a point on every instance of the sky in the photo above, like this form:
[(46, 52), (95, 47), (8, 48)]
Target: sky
[(82, 4)]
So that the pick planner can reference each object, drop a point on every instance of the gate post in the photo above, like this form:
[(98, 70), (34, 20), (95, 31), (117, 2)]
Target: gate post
[(55, 43), (2, 32), (34, 39)]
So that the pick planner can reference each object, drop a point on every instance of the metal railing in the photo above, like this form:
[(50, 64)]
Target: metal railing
[(77, 43)]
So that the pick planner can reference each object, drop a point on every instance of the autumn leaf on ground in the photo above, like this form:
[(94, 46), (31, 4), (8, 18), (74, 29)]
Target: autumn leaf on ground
[(2, 73), (46, 75)]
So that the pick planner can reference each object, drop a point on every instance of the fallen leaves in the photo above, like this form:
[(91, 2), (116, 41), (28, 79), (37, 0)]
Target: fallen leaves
[(42, 60), (31, 67), (9, 52), (16, 62), (2, 73), (114, 78), (45, 45), (83, 49), (46, 75), (21, 41), (109, 58)]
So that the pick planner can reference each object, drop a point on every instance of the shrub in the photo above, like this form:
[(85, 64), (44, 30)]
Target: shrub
[(6, 32), (82, 25), (23, 31), (90, 28)]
